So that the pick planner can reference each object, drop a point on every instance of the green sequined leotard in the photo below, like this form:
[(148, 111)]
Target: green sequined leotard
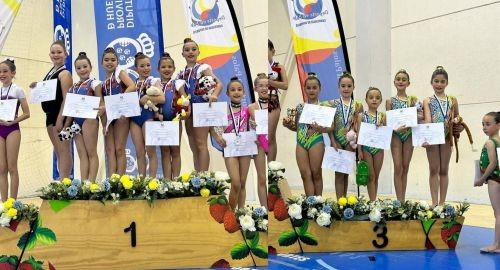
[(343, 119), (372, 119), (484, 161), (397, 103), (440, 111), (305, 140)]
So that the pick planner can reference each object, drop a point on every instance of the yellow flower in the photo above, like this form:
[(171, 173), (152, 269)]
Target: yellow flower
[(67, 181), (185, 177), (8, 203), (205, 192), (94, 188), (429, 214), (153, 184), (124, 178), (12, 212), (127, 184), (352, 200), (343, 201)]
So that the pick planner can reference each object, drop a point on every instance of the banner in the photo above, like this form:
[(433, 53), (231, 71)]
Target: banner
[(214, 26), (130, 27), (8, 11), (62, 31), (319, 43)]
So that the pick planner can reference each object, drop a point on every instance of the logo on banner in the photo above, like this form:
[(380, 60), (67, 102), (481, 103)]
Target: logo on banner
[(60, 33), (307, 9), (204, 12), (126, 49)]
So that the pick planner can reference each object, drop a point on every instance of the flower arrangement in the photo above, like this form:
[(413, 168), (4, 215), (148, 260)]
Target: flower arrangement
[(14, 210), (326, 211), (274, 175), (126, 187), (252, 219)]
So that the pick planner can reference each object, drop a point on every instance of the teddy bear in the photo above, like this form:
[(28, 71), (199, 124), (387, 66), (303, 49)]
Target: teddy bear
[(152, 91), (351, 138)]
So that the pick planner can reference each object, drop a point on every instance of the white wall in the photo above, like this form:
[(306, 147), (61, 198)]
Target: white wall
[(460, 35)]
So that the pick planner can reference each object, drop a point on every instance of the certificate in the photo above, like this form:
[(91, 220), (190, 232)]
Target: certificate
[(402, 117), (477, 172), (214, 116), (432, 133), (44, 91), (341, 161), (239, 145), (498, 156), (81, 106), (373, 136), (162, 133), (261, 119), (126, 104), (8, 109), (322, 115)]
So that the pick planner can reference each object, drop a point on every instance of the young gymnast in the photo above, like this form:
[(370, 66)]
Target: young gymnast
[(172, 89), (238, 120), (488, 164), (344, 121), (401, 143), (10, 133), (261, 87), (373, 156), (310, 145), (277, 80), (438, 109)]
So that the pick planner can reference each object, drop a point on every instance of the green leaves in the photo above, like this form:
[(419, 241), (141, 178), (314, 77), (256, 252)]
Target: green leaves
[(40, 234), (239, 251), (287, 238), (260, 252), (242, 250), (308, 239)]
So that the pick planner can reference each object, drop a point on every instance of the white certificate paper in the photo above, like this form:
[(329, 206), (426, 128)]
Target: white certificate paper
[(162, 133), (239, 145), (126, 104), (81, 106), (399, 117), (214, 116), (322, 115), (341, 161), (372, 136), (432, 134), (261, 119), (44, 91), (477, 171), (8, 109), (498, 156)]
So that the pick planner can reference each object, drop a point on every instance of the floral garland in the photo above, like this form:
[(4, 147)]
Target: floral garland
[(252, 219), (128, 187), (14, 210)]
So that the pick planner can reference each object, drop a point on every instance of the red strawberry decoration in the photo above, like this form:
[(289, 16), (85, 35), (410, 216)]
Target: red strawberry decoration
[(450, 233), (7, 266), (271, 250), (218, 207), (230, 223), (8, 262), (280, 210), (271, 200), (31, 264), (221, 264)]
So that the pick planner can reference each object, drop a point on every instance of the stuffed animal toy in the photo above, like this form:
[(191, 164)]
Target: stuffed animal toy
[(152, 91), (351, 137), (75, 128), (65, 134), (181, 105), (289, 121), (206, 86)]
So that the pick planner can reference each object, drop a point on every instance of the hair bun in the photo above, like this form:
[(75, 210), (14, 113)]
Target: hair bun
[(312, 74), (186, 40), (345, 72), (10, 59), (138, 54), (439, 68), (109, 49), (234, 78), (82, 54)]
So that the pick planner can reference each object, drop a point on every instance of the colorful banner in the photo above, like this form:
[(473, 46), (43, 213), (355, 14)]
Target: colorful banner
[(129, 27), (319, 43), (8, 11), (213, 25), (62, 31)]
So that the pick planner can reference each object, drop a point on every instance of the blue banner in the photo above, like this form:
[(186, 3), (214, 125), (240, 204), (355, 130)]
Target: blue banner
[(130, 27), (62, 31)]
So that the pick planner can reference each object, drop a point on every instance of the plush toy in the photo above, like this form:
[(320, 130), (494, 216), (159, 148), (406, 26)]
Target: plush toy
[(351, 137), (206, 86), (75, 128), (65, 134), (181, 105), (152, 91)]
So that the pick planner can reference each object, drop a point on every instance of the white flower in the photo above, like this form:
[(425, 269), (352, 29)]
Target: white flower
[(438, 210), (424, 205), (262, 224), (441, 215), (177, 185), (186, 185), (404, 216), (221, 176), (247, 223), (295, 211), (319, 199), (375, 215), (311, 213), (4, 220), (275, 165), (324, 219)]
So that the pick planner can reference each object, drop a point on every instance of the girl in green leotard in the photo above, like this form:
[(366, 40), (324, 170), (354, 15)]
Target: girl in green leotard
[(373, 156), (310, 145), (488, 164)]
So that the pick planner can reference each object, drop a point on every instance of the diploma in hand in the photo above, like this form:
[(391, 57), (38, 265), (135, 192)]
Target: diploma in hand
[(210, 116), (340, 161), (431, 134), (321, 115), (402, 117), (44, 91)]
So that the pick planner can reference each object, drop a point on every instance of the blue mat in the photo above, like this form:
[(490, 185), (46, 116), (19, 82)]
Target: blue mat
[(465, 256)]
